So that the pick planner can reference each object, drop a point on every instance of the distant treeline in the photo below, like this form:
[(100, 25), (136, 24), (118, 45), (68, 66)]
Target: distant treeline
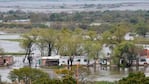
[(77, 19), (100, 16)]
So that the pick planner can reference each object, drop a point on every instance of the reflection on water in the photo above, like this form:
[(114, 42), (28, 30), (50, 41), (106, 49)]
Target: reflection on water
[(10, 46), (100, 73), (10, 36), (106, 73)]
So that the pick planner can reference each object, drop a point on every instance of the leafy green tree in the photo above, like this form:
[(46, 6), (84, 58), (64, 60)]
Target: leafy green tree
[(69, 80), (27, 42), (92, 45), (125, 51), (113, 38), (65, 36), (71, 44), (72, 41), (49, 37), (48, 81), (28, 75), (142, 29), (92, 49), (1, 51)]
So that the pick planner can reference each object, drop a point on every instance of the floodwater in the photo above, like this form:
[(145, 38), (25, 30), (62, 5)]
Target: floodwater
[(10, 46), (71, 5), (101, 73)]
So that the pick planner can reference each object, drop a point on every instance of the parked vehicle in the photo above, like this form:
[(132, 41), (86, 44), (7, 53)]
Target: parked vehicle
[(142, 62)]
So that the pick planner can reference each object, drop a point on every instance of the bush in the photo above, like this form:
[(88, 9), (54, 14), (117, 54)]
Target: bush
[(47, 81), (104, 82), (69, 80), (27, 74), (64, 71), (135, 78)]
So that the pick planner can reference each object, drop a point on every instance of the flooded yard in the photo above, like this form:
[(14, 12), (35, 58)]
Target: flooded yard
[(101, 73)]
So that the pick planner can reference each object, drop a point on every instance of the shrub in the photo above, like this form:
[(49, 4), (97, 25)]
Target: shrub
[(135, 78)]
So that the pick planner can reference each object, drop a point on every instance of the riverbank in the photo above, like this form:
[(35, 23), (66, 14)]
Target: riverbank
[(14, 30)]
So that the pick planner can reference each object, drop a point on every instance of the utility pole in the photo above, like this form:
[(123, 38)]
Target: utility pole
[(77, 74), (0, 79)]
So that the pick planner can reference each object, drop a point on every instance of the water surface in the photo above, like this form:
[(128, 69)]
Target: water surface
[(71, 5)]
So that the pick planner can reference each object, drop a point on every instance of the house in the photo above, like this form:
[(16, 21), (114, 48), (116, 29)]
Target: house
[(143, 58), (63, 60), (50, 60), (147, 35), (145, 54), (6, 59), (20, 21), (129, 36), (82, 60), (95, 24)]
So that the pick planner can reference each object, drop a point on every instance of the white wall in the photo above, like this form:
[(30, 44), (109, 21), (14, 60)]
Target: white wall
[(83, 60)]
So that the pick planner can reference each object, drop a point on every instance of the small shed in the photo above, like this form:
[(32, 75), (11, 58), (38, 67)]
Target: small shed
[(50, 60), (82, 60), (6, 59)]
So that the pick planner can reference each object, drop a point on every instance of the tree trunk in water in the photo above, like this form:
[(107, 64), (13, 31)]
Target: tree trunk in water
[(29, 57), (50, 49), (25, 55), (94, 65), (137, 63), (28, 51), (71, 60), (68, 63)]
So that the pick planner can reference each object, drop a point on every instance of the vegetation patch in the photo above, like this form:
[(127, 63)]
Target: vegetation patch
[(15, 40), (12, 53)]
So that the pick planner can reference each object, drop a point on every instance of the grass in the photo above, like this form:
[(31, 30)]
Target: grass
[(16, 40), (104, 82), (53, 67), (12, 53)]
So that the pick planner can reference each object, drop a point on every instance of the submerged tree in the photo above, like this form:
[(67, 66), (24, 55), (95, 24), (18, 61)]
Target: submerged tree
[(27, 42), (48, 36), (71, 44), (113, 38), (126, 52), (142, 29)]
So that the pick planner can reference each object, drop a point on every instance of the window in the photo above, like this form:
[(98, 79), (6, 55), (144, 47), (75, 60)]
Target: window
[(85, 60), (78, 60), (143, 60)]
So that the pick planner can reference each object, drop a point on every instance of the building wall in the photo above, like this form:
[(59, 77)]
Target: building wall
[(63, 60), (9, 59), (43, 62), (82, 60)]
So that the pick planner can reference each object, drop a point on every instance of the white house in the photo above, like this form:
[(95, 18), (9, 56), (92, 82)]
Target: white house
[(82, 60), (129, 36), (63, 60), (50, 60)]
